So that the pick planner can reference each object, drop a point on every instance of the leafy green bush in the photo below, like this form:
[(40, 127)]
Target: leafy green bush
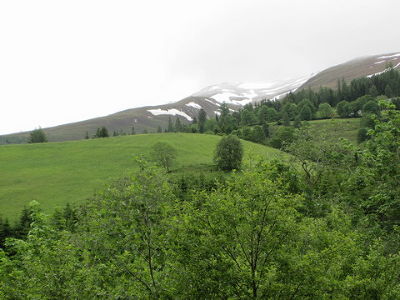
[(37, 136), (164, 155), (229, 153)]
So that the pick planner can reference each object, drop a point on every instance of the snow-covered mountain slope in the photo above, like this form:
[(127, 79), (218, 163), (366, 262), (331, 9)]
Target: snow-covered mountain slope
[(356, 68), (236, 95), (243, 93)]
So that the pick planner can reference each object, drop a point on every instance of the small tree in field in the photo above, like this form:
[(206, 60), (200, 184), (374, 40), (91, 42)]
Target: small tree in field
[(164, 155), (37, 136), (229, 153), (101, 132)]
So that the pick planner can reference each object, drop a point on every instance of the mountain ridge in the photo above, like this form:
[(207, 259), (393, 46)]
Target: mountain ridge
[(210, 98)]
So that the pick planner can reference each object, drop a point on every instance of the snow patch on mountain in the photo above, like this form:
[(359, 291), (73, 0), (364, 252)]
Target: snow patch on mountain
[(389, 56), (239, 93), (212, 102), (171, 112), (193, 104), (227, 98), (378, 73)]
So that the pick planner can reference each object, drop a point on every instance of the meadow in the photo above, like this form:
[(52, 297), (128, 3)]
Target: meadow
[(70, 172)]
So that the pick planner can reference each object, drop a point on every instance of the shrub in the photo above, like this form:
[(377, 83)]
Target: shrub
[(229, 153), (37, 136), (164, 155)]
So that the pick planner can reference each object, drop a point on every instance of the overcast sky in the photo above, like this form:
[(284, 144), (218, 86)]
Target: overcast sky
[(65, 61)]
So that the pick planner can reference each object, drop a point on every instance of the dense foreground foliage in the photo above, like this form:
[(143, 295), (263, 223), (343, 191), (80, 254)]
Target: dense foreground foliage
[(324, 227)]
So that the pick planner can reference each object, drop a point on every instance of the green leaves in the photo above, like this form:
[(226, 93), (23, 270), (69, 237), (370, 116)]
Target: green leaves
[(251, 236), (229, 153)]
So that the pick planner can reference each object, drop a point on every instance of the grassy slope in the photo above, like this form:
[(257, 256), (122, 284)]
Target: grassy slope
[(57, 173), (336, 128)]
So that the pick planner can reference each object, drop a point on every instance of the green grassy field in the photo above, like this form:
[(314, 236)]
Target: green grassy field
[(336, 128), (332, 129), (57, 173)]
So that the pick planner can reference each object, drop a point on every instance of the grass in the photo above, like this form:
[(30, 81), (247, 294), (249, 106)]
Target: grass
[(335, 129), (332, 129), (69, 172)]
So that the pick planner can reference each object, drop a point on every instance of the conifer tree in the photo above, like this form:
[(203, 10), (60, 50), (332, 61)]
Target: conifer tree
[(178, 125), (37, 136), (285, 118), (202, 120), (265, 128), (388, 91), (306, 113), (170, 125), (373, 91)]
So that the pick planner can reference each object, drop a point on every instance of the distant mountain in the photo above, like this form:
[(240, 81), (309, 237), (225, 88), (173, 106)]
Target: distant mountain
[(210, 99), (356, 68), (150, 117)]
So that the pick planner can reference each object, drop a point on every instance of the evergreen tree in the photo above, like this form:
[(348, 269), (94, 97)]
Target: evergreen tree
[(263, 114), (291, 110), (159, 129), (178, 125), (24, 224), (265, 128), (373, 91), (345, 90), (202, 120), (226, 122), (388, 91), (170, 125), (102, 132), (87, 135), (271, 115), (5, 231), (285, 118), (37, 136), (247, 117), (133, 132), (305, 113)]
